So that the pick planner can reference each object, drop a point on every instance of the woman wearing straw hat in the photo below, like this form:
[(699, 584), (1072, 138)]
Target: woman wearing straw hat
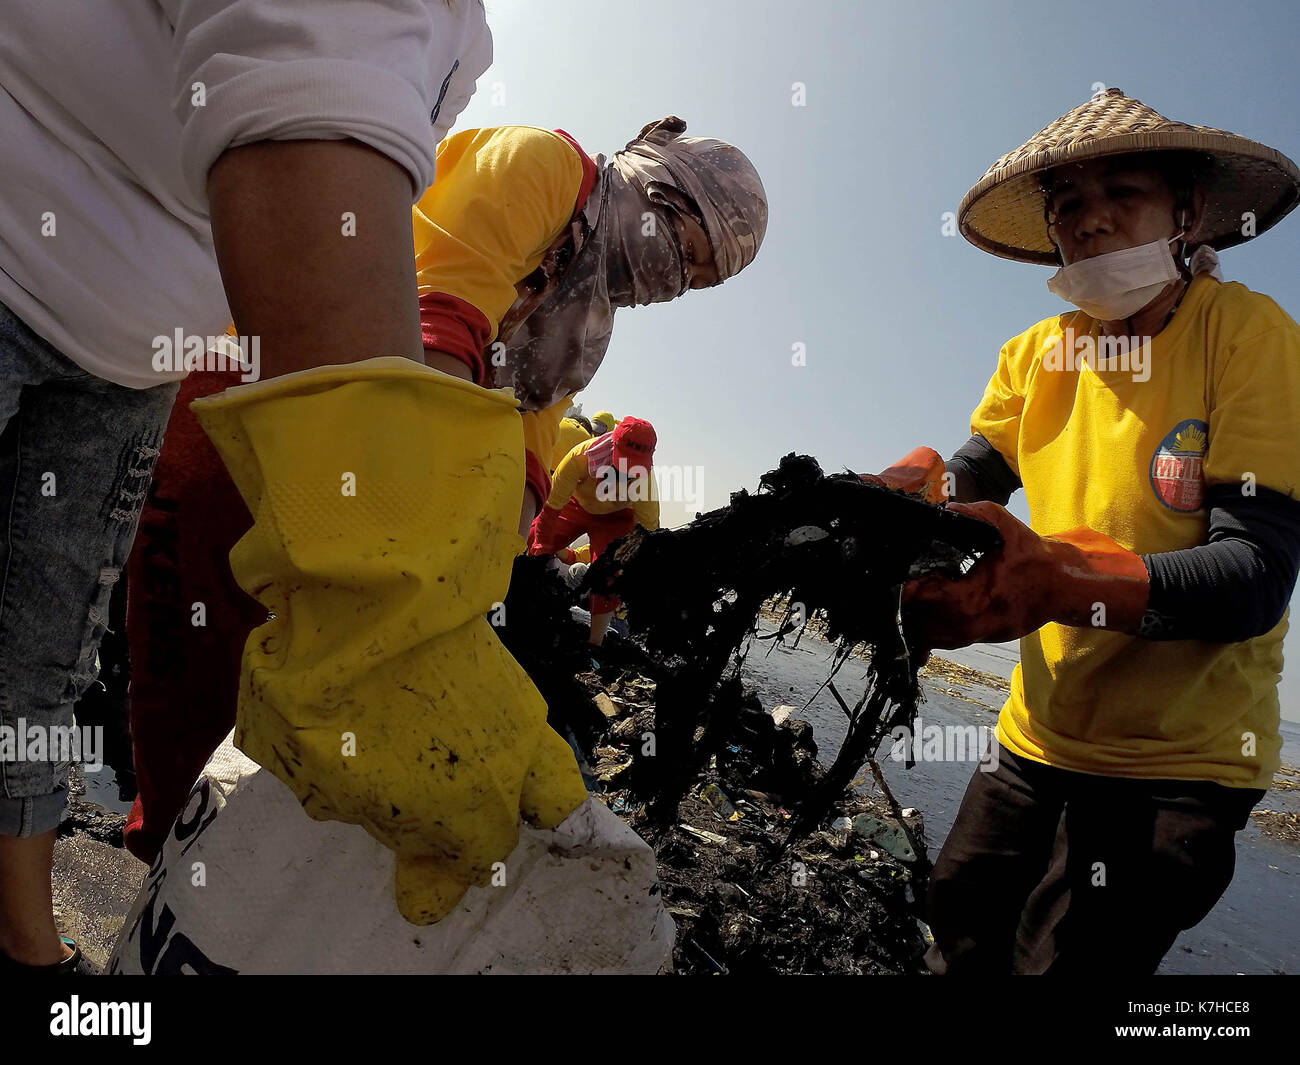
[(1155, 431)]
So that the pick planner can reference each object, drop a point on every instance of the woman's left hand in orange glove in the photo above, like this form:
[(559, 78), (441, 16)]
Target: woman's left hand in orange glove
[(919, 472), (1080, 577)]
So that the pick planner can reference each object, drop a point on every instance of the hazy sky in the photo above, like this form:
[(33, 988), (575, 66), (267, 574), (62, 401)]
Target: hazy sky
[(906, 105)]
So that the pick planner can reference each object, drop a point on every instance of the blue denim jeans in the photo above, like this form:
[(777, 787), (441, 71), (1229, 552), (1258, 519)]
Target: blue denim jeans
[(76, 456)]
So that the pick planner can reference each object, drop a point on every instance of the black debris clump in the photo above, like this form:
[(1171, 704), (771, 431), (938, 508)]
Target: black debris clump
[(832, 546), (761, 859)]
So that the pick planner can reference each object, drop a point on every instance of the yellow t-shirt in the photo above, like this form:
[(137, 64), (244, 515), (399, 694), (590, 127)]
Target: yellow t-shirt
[(500, 197), (569, 436), (1126, 447), (573, 480)]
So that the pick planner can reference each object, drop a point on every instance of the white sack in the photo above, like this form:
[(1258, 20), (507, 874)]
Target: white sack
[(248, 883)]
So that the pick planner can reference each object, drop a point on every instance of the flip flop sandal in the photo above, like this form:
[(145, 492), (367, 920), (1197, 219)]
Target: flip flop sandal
[(76, 965)]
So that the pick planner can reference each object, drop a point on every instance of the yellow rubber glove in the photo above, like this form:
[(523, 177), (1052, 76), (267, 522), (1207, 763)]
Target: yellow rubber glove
[(385, 498)]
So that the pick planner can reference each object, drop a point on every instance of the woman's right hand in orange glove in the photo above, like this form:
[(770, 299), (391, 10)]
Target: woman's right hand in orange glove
[(1081, 578)]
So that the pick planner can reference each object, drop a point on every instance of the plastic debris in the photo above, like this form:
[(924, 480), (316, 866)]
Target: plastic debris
[(781, 713), (888, 836), (702, 833), (805, 534), (610, 762), (717, 798)]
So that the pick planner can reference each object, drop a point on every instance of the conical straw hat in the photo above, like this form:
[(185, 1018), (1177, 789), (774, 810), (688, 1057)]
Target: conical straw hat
[(1004, 212)]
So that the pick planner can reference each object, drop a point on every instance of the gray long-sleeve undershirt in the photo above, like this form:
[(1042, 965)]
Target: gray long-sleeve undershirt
[(1234, 587)]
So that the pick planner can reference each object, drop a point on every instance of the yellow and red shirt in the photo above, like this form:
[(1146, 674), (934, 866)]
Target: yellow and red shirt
[(573, 481), (500, 198)]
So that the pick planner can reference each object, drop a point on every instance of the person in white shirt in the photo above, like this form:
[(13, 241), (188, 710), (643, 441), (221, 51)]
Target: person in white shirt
[(170, 165)]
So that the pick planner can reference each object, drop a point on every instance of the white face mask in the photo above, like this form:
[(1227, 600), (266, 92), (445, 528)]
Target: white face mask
[(1114, 286)]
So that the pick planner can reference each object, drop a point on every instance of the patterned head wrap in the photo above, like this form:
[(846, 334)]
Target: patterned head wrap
[(621, 251), (717, 177)]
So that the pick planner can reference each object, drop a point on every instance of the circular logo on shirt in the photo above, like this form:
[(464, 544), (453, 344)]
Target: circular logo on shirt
[(1177, 467)]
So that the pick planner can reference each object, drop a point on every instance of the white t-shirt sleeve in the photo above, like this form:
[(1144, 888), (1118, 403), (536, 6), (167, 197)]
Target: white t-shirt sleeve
[(383, 74), (458, 87)]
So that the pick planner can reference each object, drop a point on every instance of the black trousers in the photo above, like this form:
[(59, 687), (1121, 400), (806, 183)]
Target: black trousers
[(1051, 871)]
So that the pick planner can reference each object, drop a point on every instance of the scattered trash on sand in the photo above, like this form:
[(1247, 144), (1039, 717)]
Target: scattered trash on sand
[(955, 673), (1277, 824)]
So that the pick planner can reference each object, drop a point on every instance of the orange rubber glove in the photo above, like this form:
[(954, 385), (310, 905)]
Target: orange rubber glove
[(920, 472), (1080, 577)]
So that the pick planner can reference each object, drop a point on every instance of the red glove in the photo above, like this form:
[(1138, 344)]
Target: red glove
[(919, 472), (1080, 578), (533, 528)]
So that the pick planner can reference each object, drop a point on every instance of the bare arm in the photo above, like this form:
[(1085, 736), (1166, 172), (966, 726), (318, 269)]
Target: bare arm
[(315, 296)]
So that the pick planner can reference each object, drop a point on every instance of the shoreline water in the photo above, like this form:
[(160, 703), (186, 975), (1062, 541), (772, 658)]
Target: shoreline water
[(1254, 928)]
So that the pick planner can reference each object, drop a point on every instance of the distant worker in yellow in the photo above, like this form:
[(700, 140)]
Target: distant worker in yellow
[(602, 488), (574, 428), (572, 431)]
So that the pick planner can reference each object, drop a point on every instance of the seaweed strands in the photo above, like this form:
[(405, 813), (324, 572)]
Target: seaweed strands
[(837, 547)]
